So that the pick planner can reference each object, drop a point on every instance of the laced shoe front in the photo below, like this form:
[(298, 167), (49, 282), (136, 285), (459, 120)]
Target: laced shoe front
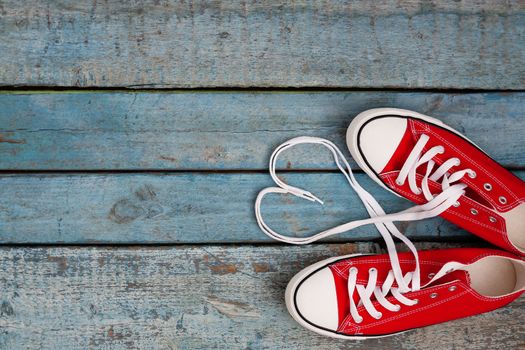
[(420, 158), (357, 297)]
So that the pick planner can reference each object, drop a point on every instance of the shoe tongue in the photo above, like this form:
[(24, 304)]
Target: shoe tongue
[(451, 271)]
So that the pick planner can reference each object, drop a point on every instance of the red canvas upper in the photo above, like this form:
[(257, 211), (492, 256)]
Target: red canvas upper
[(448, 303), (487, 203)]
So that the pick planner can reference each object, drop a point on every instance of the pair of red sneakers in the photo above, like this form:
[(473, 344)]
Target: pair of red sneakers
[(421, 159)]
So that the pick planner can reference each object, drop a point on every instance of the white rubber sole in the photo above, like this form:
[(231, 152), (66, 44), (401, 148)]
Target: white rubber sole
[(364, 117), (290, 305)]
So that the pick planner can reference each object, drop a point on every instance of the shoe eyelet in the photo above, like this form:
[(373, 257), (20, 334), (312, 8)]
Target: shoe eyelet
[(433, 295), (399, 183), (502, 200), (441, 150), (353, 269), (472, 174), (431, 275), (418, 191), (492, 219), (379, 316), (487, 186), (416, 301), (452, 288), (458, 162), (359, 320), (398, 308), (473, 211), (456, 204), (372, 269)]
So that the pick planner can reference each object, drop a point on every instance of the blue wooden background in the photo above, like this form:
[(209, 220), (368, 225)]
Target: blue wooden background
[(134, 137)]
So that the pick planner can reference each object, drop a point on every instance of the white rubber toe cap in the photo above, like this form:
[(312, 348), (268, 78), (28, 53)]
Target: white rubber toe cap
[(379, 138), (316, 300)]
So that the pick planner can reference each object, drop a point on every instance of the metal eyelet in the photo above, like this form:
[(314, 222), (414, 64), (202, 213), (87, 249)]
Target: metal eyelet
[(372, 269), (472, 174), (399, 183), (416, 301), (398, 308), (431, 275), (452, 288), (458, 162), (433, 295), (379, 316), (441, 150), (456, 204), (473, 211), (492, 219), (487, 187), (502, 200)]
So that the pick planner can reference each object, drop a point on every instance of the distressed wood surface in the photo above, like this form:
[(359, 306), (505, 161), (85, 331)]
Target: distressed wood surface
[(230, 130), (188, 208), (430, 44), (206, 295), (193, 298)]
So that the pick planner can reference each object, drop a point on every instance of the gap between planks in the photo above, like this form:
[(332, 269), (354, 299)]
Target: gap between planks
[(36, 90), (461, 241)]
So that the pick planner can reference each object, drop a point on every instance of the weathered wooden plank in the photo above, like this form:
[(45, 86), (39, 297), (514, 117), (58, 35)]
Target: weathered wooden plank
[(232, 130), (192, 298), (474, 44), (190, 208)]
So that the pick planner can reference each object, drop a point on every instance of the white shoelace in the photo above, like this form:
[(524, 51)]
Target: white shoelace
[(380, 293), (415, 159), (378, 217)]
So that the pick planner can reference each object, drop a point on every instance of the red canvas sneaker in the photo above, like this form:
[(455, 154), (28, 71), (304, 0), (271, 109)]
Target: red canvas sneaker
[(424, 160), (359, 296)]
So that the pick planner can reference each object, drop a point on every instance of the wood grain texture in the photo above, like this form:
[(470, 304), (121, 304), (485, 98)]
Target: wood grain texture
[(187, 208), (193, 298), (230, 130), (408, 44)]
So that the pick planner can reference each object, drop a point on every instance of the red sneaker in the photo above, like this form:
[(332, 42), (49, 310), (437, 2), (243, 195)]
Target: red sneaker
[(420, 158), (357, 296)]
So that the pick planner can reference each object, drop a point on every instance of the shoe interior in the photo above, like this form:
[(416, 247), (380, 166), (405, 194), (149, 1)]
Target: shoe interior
[(496, 276), (516, 226)]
